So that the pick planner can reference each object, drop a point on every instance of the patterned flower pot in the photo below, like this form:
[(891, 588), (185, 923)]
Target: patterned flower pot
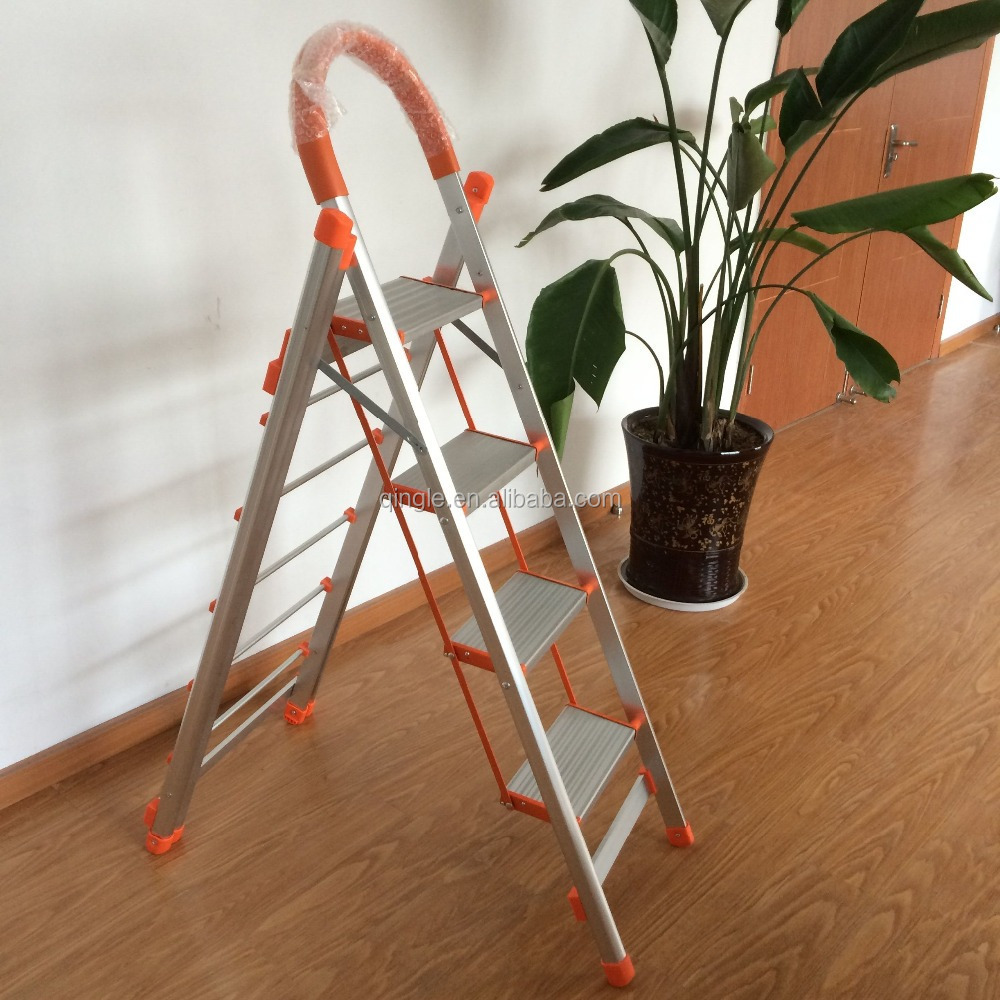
[(689, 511)]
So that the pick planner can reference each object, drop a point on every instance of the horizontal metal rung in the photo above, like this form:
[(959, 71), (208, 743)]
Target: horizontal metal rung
[(308, 543), (256, 689), (334, 389), (480, 464), (283, 617), (534, 610), (621, 826), (224, 746), (323, 466), (587, 749)]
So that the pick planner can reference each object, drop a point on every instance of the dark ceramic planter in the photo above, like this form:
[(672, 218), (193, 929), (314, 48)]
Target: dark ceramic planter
[(689, 511)]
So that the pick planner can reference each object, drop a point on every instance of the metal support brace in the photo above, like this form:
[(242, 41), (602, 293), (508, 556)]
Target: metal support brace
[(474, 337), (371, 406)]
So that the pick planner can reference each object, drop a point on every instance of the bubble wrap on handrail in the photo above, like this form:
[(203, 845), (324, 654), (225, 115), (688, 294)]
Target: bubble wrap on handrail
[(313, 108)]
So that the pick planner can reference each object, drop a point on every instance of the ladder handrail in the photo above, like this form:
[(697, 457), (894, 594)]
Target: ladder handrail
[(310, 100)]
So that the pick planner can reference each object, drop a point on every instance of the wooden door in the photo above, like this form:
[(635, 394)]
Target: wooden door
[(936, 106), (890, 291)]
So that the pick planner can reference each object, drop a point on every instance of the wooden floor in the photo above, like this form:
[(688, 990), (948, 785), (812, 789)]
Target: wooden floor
[(834, 737)]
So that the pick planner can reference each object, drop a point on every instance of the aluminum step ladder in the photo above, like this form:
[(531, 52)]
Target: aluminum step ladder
[(566, 766)]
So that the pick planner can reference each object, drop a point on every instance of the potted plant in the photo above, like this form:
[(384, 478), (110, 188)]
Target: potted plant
[(693, 460)]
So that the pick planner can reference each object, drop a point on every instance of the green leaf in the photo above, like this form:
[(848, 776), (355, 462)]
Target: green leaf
[(781, 234), (748, 167), (903, 208), (756, 96), (871, 366), (802, 115), (576, 334), (765, 123), (659, 18), (933, 36), (602, 206), (595, 206), (861, 48), (788, 11), (722, 12), (611, 144), (947, 258)]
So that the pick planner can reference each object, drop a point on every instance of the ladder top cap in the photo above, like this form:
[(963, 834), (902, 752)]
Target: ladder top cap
[(334, 229)]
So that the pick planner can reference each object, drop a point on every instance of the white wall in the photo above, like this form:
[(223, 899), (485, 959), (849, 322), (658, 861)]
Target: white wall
[(979, 242), (155, 229)]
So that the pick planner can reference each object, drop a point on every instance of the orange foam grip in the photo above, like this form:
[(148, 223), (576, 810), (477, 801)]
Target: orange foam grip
[(322, 170)]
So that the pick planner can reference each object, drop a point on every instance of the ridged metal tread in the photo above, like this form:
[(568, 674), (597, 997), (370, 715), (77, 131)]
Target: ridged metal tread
[(587, 749), (417, 308), (480, 464), (535, 611)]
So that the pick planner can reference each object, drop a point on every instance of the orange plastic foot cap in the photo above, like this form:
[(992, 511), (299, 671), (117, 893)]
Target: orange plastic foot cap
[(680, 836), (295, 716), (156, 844), (619, 973)]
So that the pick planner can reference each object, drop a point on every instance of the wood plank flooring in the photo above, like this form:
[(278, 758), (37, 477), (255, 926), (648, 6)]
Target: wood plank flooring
[(834, 738)]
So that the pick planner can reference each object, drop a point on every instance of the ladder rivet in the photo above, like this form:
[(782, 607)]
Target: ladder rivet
[(505, 685), (459, 209)]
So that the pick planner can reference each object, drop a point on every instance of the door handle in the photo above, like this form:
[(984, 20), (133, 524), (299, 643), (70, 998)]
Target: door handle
[(890, 152)]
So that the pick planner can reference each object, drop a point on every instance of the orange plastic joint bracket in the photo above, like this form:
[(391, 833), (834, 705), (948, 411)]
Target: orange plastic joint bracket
[(274, 369), (478, 187), (334, 229)]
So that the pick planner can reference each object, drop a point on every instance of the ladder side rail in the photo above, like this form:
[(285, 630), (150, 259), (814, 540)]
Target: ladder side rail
[(368, 294), (344, 576), (567, 517), (320, 292), (356, 541)]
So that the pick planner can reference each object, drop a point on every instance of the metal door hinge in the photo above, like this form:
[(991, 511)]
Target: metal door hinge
[(940, 306)]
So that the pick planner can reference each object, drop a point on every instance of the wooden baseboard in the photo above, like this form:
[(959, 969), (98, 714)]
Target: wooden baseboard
[(57, 763), (967, 336)]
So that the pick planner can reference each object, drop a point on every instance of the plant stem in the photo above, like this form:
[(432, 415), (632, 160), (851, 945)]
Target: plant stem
[(656, 361), (747, 348), (687, 385)]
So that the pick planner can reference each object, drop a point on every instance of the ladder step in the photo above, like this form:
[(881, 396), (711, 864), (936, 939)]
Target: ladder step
[(535, 611), (417, 308), (587, 749), (480, 464)]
